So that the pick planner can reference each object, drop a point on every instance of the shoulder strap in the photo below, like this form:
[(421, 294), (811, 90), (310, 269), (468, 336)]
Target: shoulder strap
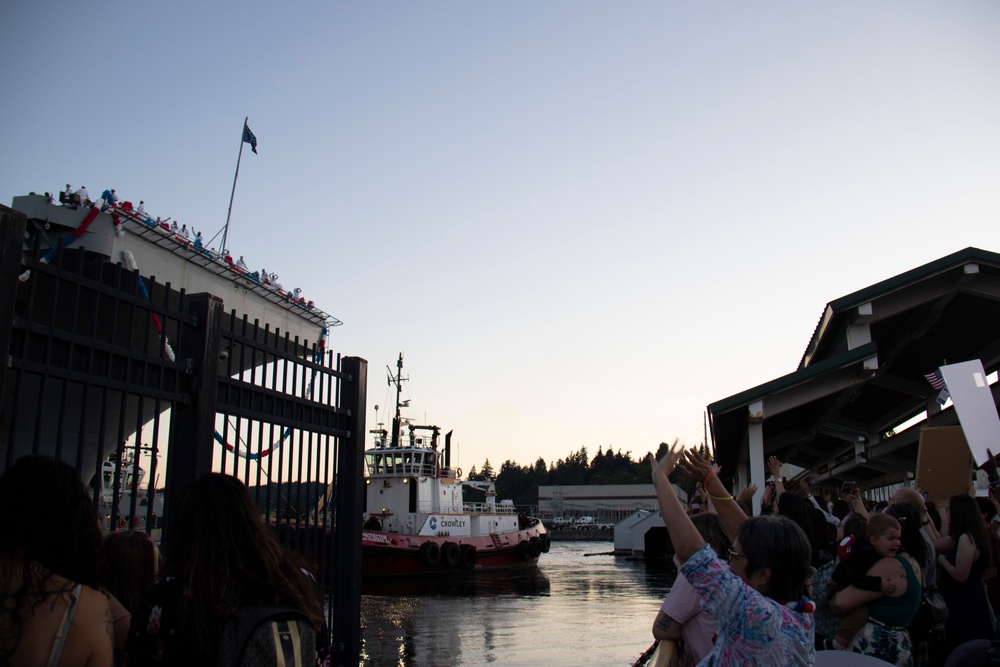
[(60, 638), (239, 628)]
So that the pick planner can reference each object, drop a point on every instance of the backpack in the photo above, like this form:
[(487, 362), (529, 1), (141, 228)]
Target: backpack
[(267, 635)]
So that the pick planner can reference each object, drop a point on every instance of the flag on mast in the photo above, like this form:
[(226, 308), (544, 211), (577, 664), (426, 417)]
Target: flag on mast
[(249, 138)]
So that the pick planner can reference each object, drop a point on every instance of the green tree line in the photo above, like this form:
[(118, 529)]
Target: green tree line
[(520, 482)]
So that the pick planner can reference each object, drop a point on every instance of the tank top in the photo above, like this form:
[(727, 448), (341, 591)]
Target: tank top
[(899, 612)]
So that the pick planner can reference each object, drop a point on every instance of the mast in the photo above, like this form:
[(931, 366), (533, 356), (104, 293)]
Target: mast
[(398, 380)]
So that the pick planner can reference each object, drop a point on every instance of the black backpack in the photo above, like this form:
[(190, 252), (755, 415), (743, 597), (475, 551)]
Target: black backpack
[(267, 636)]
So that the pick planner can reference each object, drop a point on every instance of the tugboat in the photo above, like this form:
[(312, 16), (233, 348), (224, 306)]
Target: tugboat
[(416, 521), (121, 495)]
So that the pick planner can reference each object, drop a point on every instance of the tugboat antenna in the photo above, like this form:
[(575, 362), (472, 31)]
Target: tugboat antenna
[(398, 381)]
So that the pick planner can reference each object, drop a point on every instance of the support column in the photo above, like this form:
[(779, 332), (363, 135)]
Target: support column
[(755, 432)]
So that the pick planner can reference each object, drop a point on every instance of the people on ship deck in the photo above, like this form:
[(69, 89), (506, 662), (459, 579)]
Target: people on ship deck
[(83, 196), (49, 550), (67, 197), (216, 562), (142, 208)]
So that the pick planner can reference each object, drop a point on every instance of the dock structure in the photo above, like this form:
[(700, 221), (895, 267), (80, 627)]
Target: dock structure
[(854, 409)]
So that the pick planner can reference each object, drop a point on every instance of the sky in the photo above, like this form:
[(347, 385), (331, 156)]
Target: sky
[(580, 222)]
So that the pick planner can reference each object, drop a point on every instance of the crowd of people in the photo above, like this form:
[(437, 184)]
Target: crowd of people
[(72, 597), (901, 580)]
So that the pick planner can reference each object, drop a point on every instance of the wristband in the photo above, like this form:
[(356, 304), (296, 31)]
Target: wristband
[(720, 498), (705, 483)]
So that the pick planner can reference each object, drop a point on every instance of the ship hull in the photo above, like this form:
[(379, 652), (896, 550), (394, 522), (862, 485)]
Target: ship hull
[(391, 554)]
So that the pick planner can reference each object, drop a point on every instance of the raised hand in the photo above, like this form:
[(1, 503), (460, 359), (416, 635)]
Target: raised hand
[(990, 465), (695, 466), (775, 465), (661, 469), (746, 495), (767, 497)]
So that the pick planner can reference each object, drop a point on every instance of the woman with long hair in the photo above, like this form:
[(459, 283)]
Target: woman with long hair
[(129, 564), (967, 554), (50, 541), (220, 555), (129, 567)]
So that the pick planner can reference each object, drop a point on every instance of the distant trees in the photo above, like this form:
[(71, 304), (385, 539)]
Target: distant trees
[(520, 483)]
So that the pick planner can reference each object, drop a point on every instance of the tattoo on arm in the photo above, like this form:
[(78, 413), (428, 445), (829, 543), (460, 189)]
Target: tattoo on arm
[(663, 623)]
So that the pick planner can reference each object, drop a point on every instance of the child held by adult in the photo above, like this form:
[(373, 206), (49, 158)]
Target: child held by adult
[(882, 540)]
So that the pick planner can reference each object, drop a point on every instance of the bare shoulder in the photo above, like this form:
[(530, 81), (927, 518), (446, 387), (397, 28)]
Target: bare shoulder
[(89, 641)]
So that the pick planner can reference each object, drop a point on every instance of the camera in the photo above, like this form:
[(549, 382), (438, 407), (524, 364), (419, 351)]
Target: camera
[(849, 487)]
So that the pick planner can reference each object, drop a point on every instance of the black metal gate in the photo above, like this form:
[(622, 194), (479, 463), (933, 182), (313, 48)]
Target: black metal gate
[(104, 369)]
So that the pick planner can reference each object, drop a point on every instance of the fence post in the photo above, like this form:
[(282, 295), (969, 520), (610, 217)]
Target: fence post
[(12, 226), (192, 424), (345, 556)]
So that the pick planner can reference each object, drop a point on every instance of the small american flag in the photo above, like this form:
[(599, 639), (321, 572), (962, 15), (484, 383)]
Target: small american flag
[(935, 379), (249, 138)]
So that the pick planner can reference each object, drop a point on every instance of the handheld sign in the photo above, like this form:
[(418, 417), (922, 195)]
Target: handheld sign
[(977, 412)]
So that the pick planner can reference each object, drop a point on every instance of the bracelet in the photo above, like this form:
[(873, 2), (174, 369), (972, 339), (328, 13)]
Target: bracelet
[(705, 483), (718, 498)]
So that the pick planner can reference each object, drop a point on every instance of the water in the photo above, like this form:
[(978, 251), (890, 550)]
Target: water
[(573, 609)]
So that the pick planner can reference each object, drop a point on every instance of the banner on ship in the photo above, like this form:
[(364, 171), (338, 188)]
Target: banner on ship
[(447, 524)]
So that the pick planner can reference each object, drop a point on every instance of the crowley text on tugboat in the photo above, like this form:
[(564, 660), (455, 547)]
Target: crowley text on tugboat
[(416, 520)]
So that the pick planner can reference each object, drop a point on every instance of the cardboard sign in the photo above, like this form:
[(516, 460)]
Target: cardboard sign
[(944, 464), (973, 399)]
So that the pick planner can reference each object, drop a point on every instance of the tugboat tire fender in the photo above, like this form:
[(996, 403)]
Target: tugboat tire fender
[(546, 542), (523, 550), (450, 554), (429, 554), (536, 546), (467, 557)]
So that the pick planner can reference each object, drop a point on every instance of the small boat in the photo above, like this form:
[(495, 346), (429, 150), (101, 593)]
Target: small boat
[(129, 476), (416, 520)]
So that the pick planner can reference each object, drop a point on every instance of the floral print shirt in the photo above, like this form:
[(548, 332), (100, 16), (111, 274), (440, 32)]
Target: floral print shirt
[(753, 628)]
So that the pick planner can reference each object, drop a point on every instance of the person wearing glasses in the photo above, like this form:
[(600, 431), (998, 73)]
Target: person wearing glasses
[(758, 602)]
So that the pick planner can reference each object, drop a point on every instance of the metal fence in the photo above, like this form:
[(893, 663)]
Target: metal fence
[(114, 373)]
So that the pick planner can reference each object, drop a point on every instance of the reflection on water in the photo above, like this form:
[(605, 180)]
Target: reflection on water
[(572, 609)]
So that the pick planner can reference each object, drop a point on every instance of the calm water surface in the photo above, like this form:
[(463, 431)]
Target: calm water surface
[(572, 610)]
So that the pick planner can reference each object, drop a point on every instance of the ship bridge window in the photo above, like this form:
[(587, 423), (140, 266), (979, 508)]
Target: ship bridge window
[(376, 464)]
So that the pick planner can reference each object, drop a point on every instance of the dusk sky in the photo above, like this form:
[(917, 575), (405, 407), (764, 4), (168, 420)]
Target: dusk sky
[(581, 222)]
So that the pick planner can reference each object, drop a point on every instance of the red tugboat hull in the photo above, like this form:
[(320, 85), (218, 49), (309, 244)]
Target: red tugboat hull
[(390, 554)]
